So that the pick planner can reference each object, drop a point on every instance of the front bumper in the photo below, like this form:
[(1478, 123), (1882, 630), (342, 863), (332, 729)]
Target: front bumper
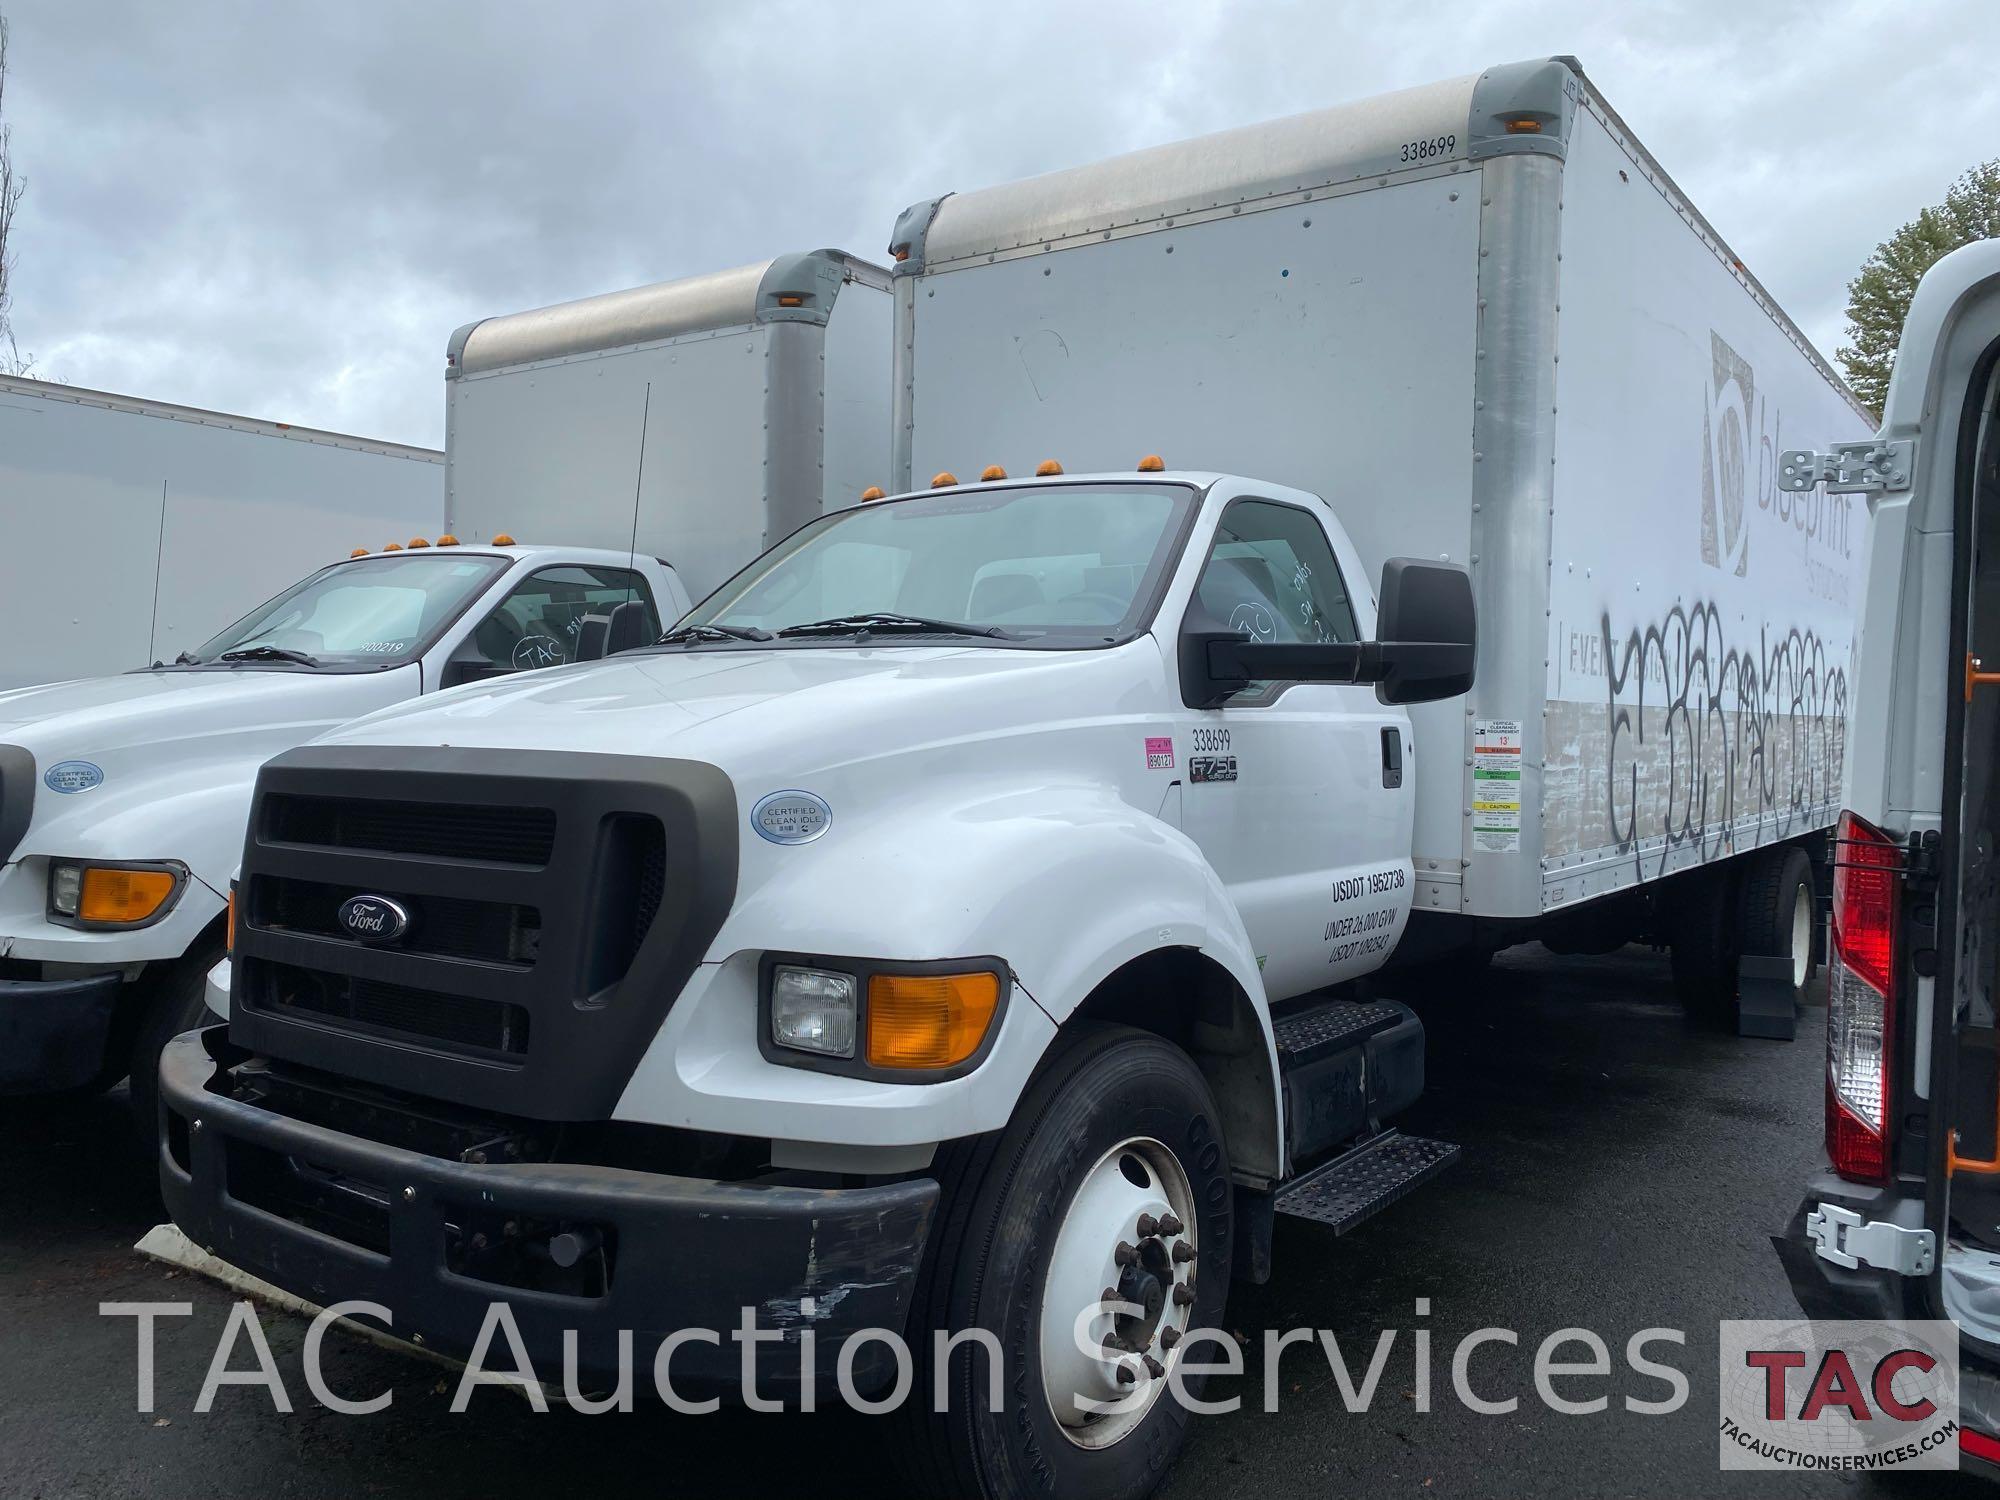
[(54, 1032), (688, 1253)]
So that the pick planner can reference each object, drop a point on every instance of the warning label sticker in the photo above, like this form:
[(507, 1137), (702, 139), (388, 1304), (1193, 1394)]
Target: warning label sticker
[(1496, 785)]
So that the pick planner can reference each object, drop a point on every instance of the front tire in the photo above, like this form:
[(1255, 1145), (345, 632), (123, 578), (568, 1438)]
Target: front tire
[(1036, 1224), (176, 1000)]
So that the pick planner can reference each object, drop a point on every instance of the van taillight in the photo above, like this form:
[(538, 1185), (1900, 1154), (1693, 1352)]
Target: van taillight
[(1860, 1005)]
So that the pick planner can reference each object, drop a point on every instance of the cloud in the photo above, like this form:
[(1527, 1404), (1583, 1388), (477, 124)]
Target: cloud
[(284, 211)]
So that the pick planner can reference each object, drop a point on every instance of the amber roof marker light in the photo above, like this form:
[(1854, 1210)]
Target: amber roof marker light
[(1152, 463), (990, 473), (1048, 468), (873, 492), (942, 478)]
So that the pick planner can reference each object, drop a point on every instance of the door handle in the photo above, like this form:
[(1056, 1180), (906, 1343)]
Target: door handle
[(1392, 756)]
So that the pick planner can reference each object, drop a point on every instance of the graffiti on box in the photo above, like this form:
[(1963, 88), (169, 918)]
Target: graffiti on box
[(1699, 739)]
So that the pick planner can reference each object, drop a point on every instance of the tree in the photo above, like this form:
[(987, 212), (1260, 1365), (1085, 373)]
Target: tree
[(11, 188), (1879, 298)]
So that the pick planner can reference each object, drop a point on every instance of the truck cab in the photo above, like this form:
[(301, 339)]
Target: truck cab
[(123, 798), (940, 929), (1901, 1221)]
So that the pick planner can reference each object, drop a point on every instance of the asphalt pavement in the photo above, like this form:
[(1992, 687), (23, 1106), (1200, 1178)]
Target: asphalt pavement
[(1622, 1170)]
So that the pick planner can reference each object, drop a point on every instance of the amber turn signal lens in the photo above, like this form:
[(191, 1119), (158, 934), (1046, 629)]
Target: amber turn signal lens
[(229, 929), (123, 895), (929, 1020)]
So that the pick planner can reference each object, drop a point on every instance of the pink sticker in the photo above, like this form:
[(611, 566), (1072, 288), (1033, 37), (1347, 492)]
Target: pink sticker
[(1159, 753)]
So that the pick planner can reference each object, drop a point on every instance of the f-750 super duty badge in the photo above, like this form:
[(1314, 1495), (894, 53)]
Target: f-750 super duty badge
[(1212, 768)]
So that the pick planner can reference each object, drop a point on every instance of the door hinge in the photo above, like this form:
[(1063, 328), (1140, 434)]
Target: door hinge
[(1842, 1236), (1869, 468)]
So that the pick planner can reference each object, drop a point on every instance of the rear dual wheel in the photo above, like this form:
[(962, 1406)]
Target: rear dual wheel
[(1089, 1238)]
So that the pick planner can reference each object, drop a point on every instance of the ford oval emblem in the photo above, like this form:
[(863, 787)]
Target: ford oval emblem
[(70, 776), (791, 817), (373, 919)]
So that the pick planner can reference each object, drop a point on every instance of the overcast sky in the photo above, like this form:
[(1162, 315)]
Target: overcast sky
[(283, 210)]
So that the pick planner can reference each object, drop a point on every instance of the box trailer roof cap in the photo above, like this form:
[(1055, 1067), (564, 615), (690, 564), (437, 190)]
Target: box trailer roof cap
[(798, 288), (1508, 109)]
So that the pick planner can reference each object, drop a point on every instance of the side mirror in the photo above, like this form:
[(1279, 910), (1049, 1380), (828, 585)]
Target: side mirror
[(1428, 636), (1426, 604), (599, 636)]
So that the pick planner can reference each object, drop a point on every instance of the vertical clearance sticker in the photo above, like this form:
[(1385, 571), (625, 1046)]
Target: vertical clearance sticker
[(1496, 785)]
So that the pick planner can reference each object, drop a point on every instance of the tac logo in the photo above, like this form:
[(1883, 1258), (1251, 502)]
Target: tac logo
[(1839, 1396)]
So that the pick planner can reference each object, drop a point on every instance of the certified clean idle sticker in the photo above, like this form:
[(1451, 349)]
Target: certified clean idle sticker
[(70, 776), (791, 817), (1496, 785)]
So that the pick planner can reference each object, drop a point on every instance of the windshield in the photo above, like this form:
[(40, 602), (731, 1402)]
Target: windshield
[(374, 611), (1060, 565)]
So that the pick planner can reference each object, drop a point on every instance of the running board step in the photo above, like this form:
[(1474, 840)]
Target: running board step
[(1362, 1182)]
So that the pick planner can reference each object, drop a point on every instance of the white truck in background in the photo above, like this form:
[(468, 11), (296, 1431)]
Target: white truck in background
[(122, 799), (727, 410), (945, 927), (191, 516)]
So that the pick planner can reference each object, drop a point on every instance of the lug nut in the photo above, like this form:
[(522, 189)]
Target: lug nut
[(1170, 1225), (1110, 1294), (1183, 1295), (1169, 1337), (1148, 1226), (1183, 1251), (1153, 1367), (1126, 1255), (409, 1195), (1127, 1375)]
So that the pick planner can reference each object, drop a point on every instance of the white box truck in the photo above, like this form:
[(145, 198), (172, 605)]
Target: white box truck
[(944, 932), (122, 799), (1901, 1222), (1482, 321), (727, 409), (191, 518)]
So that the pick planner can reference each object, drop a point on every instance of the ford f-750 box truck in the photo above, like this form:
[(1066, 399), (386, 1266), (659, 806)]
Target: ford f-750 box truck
[(122, 799), (943, 929), (191, 517)]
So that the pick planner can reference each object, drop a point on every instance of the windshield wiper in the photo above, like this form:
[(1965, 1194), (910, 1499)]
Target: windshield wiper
[(688, 633), (269, 653), (884, 621)]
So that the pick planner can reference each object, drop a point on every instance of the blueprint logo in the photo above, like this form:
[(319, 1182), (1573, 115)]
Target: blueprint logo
[(1839, 1396), (1726, 459)]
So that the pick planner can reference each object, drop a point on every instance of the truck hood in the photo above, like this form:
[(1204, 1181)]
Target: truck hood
[(160, 765), (94, 716), (800, 709)]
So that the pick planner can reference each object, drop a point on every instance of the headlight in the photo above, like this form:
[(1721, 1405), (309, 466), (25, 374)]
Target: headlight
[(814, 1010), (125, 894), (880, 1018)]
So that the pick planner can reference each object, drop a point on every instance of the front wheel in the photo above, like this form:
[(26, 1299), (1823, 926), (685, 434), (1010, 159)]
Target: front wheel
[(176, 1000), (1090, 1238)]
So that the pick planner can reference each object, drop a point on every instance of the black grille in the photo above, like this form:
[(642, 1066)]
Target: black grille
[(459, 1021), (500, 835), (444, 926), (558, 903)]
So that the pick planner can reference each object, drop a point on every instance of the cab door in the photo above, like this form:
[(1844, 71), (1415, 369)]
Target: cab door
[(1299, 794)]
